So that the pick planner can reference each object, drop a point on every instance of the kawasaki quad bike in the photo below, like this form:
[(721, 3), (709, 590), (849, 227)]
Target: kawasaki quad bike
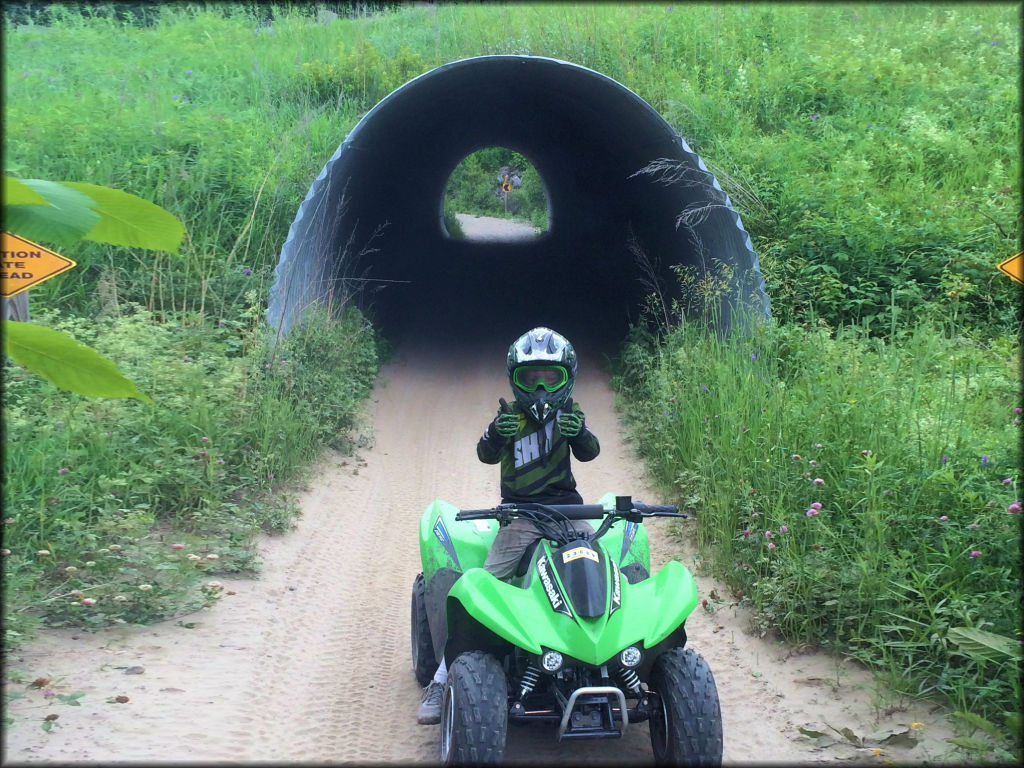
[(582, 637)]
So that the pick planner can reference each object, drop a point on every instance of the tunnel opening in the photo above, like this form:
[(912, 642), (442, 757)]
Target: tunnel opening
[(495, 184), (372, 224)]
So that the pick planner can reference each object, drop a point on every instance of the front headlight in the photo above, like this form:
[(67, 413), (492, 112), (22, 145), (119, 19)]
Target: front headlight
[(630, 658), (551, 661)]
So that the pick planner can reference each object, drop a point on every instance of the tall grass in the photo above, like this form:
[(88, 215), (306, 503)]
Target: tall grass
[(861, 494)]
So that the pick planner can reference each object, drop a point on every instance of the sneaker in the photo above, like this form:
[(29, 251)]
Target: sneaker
[(430, 709)]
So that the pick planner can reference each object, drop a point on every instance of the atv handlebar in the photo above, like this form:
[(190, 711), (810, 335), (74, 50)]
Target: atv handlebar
[(569, 511)]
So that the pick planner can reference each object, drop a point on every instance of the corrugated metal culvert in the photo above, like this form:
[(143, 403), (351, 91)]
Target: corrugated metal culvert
[(618, 180)]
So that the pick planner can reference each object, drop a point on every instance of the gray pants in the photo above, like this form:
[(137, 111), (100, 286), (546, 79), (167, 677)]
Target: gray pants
[(511, 542)]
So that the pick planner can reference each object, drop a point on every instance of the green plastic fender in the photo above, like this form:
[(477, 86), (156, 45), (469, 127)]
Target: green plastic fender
[(650, 610)]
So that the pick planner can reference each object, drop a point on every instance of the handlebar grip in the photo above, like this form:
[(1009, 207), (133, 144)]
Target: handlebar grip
[(580, 511), (476, 514), (657, 509)]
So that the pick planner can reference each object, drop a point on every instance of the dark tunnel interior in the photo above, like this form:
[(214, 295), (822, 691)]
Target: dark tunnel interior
[(374, 218)]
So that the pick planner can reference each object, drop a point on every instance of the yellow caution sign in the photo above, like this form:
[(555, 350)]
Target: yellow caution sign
[(26, 264), (1013, 267)]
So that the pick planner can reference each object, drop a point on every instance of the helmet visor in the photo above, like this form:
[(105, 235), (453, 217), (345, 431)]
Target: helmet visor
[(532, 378)]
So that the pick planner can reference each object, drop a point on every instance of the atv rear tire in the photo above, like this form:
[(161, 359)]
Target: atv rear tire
[(423, 662), (474, 711), (686, 729)]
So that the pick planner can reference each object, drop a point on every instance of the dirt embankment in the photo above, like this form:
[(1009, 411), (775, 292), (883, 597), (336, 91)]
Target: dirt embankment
[(311, 662)]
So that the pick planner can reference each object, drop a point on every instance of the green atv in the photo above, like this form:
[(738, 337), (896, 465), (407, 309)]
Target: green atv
[(582, 637)]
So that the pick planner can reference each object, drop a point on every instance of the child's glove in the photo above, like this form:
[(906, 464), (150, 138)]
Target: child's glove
[(571, 424), (506, 424)]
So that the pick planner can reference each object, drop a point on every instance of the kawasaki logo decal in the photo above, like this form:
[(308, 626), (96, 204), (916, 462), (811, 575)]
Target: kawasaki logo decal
[(446, 541), (547, 578)]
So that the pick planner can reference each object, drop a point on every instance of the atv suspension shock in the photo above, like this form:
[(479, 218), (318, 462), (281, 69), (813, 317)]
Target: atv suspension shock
[(529, 681), (630, 679)]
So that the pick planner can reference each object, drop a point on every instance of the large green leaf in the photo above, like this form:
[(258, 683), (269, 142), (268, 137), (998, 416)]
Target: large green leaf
[(979, 644), (67, 218), (19, 193), (129, 220), (66, 363)]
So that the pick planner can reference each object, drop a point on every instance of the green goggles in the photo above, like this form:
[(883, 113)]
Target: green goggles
[(532, 378)]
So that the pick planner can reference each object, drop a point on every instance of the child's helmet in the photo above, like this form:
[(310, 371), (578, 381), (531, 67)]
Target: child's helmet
[(542, 371)]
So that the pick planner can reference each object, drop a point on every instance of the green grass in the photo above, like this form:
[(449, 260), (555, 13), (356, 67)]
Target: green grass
[(909, 447)]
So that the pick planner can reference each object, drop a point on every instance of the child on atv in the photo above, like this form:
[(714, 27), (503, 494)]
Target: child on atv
[(531, 439)]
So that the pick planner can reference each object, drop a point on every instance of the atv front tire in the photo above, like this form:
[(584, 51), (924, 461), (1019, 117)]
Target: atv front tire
[(686, 725), (423, 662), (474, 711)]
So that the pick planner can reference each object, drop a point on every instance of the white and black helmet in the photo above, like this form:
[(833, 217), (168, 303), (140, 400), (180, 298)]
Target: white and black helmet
[(542, 371)]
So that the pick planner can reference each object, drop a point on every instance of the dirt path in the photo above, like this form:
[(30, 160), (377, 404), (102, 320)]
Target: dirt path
[(311, 662)]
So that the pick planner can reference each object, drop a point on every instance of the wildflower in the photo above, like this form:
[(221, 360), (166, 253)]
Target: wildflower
[(90, 563), (1014, 509), (214, 585), (204, 439), (994, 42), (866, 453), (984, 460), (194, 558), (246, 271), (876, 751), (771, 545), (43, 553), (743, 429), (120, 598), (1007, 481), (70, 570), (5, 552), (783, 529), (816, 504), (768, 534), (115, 547), (795, 457), (204, 454), (945, 458), (63, 471), (212, 556), (916, 725), (813, 463), (746, 533), (814, 117), (1017, 410), (819, 446), (145, 587), (812, 512), (818, 481), (10, 521), (175, 98), (220, 461), (177, 546), (975, 553), (753, 514), (943, 518), (887, 492), (88, 601), (973, 526), (806, 475), (188, 71)]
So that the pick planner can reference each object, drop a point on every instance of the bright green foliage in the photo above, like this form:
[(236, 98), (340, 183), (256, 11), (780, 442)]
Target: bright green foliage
[(65, 363), (239, 412), (911, 449), (71, 211), (474, 187)]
